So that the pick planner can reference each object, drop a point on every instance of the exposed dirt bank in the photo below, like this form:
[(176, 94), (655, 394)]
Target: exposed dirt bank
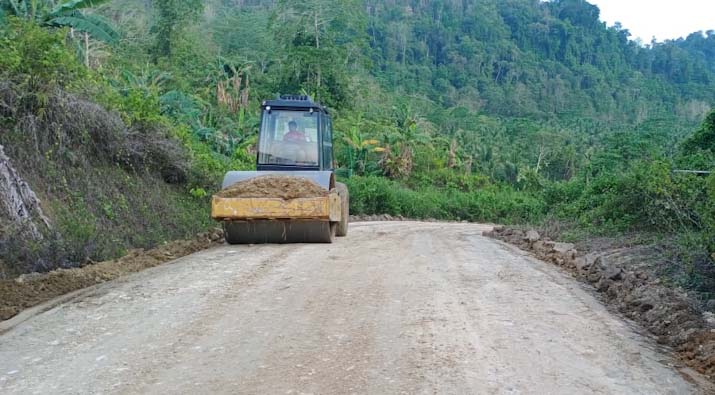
[(32, 289), (274, 186), (627, 281)]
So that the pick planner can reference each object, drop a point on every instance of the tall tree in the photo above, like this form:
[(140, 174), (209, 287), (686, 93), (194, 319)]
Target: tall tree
[(322, 42), (172, 17)]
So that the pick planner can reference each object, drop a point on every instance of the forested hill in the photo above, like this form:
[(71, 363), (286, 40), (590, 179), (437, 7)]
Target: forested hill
[(534, 58), (519, 57), (495, 76), (511, 58)]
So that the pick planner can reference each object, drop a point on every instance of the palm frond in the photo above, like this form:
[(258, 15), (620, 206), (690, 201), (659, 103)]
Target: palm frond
[(98, 20), (104, 24), (86, 25)]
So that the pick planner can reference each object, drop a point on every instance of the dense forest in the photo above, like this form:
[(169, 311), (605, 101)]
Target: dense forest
[(512, 111)]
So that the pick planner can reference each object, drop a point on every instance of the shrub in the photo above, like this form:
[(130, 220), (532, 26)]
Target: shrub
[(36, 57), (377, 195), (449, 179)]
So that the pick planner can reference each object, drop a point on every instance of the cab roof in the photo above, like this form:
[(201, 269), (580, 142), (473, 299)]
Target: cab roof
[(298, 102)]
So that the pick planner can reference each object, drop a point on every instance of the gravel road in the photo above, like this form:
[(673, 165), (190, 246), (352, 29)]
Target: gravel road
[(394, 308)]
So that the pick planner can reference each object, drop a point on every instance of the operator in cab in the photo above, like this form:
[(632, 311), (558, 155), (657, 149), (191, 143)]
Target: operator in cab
[(294, 135)]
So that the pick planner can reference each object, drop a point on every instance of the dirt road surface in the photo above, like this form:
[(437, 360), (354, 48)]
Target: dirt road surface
[(395, 308)]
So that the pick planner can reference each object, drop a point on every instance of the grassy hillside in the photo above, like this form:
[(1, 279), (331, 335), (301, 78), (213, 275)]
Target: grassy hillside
[(109, 176)]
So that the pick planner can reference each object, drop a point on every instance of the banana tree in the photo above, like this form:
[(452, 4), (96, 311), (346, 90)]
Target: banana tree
[(357, 147), (65, 14)]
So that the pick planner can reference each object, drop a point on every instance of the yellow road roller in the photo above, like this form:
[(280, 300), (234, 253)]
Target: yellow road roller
[(296, 141)]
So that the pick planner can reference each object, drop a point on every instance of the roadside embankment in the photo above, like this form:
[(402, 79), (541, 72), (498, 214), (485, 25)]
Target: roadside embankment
[(33, 289), (626, 280)]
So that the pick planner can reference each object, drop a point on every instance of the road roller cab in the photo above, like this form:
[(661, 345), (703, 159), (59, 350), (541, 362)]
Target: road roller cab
[(295, 140), (296, 135)]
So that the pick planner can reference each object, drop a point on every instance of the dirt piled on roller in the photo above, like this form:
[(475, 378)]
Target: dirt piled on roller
[(274, 186), (33, 289)]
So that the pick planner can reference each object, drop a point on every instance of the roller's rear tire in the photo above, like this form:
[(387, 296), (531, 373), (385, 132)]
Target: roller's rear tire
[(342, 190), (279, 232)]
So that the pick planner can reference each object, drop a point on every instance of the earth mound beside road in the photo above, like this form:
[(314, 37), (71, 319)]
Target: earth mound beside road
[(33, 289)]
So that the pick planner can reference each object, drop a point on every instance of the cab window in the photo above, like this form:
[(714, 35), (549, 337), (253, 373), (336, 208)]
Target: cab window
[(288, 138), (327, 142)]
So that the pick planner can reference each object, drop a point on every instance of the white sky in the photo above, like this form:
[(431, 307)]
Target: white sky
[(662, 19)]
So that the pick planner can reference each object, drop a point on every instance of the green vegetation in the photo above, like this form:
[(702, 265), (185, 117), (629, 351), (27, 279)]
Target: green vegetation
[(492, 203), (109, 180), (511, 111)]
